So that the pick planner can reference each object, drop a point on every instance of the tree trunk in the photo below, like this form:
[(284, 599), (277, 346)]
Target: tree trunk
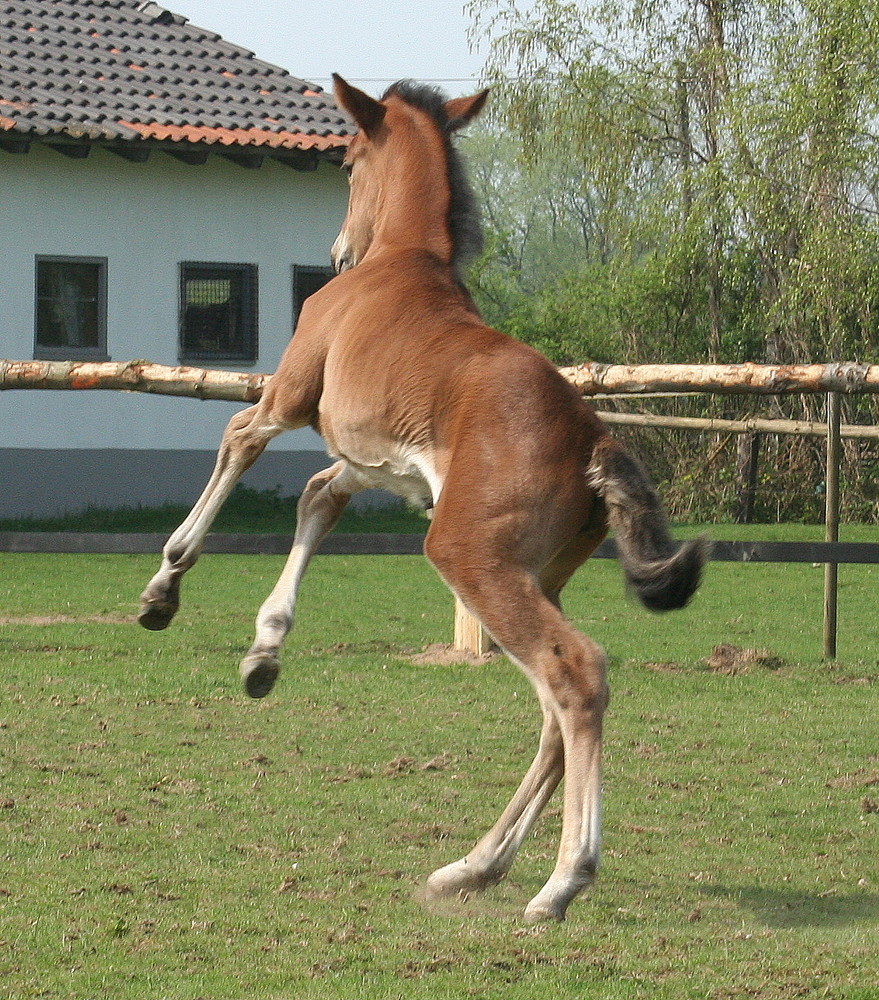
[(685, 139), (715, 88)]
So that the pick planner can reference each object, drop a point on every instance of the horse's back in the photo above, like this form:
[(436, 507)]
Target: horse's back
[(417, 388), (424, 374)]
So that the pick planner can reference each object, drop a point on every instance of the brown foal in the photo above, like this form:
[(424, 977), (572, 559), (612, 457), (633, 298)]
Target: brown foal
[(413, 393)]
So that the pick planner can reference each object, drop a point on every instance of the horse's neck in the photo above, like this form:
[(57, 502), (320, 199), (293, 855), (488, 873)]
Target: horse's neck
[(416, 215)]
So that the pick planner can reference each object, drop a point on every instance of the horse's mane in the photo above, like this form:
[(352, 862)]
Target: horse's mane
[(465, 227)]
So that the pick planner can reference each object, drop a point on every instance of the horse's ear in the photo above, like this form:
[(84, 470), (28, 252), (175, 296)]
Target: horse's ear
[(462, 110), (365, 110)]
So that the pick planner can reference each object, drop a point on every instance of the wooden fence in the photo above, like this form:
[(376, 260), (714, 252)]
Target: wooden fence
[(469, 636), (832, 379), (590, 379)]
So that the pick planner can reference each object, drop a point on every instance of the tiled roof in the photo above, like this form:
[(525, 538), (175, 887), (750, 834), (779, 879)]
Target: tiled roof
[(130, 75)]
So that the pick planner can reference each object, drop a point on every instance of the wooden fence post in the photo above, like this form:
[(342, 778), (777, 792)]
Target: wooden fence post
[(470, 636), (831, 522)]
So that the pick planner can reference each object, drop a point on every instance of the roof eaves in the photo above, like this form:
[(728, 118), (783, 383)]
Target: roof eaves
[(241, 137)]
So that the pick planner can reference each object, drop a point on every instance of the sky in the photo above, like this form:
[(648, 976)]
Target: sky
[(369, 42)]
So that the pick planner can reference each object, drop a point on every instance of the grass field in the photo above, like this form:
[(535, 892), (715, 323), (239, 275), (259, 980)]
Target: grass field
[(164, 837), (246, 511), (250, 511)]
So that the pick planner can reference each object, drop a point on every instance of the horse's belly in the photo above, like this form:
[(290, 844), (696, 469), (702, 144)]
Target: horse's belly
[(406, 473), (382, 456)]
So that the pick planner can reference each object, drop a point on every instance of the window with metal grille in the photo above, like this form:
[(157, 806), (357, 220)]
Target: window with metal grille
[(218, 312), (70, 313), (307, 279)]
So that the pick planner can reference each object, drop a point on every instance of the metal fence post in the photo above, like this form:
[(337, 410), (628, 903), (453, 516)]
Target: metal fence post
[(831, 522)]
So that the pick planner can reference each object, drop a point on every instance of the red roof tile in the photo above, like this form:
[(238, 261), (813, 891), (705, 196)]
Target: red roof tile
[(232, 136)]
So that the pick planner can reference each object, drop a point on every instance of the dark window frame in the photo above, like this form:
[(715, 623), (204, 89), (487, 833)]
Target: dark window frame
[(196, 270), (306, 271), (67, 352)]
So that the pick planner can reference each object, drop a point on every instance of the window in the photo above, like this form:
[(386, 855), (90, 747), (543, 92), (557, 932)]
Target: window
[(218, 312), (306, 281), (70, 314)]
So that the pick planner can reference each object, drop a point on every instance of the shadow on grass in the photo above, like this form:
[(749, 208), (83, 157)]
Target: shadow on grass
[(791, 909)]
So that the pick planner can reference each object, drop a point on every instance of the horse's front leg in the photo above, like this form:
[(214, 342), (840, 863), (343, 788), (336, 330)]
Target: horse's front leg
[(321, 505), (245, 437)]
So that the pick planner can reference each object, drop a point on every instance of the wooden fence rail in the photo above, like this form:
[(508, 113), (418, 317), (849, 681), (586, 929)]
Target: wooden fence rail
[(133, 376), (750, 425), (729, 380), (590, 379)]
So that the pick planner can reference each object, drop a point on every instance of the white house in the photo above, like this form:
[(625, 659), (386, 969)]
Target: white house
[(163, 195)]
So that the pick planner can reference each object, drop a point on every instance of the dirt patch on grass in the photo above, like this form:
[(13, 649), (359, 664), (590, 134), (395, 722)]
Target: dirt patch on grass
[(727, 659), (46, 620), (440, 654), (664, 668)]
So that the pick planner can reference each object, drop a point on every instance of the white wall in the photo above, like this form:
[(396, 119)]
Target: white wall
[(146, 219)]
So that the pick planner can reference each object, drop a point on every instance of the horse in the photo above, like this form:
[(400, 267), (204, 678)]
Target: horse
[(413, 393)]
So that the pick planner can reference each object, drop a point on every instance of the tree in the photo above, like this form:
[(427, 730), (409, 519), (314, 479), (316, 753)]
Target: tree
[(733, 140), (728, 153)]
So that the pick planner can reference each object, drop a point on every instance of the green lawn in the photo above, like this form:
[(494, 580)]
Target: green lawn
[(164, 837), (249, 511), (246, 511)]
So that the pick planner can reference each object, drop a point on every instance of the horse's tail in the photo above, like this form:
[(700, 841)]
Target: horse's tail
[(663, 573)]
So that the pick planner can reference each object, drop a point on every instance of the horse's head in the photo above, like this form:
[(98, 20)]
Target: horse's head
[(402, 170)]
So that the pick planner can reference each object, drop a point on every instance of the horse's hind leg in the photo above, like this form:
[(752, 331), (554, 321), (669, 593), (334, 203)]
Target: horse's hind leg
[(244, 440), (493, 856), (321, 505), (567, 671)]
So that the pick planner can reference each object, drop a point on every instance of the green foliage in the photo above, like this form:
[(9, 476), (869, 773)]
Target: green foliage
[(727, 156), (687, 182), (165, 837)]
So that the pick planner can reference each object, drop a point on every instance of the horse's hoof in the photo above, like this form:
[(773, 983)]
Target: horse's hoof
[(543, 914), (259, 674), (156, 615), (460, 879)]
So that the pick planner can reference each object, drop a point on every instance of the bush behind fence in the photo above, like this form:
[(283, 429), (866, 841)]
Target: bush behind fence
[(704, 476)]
